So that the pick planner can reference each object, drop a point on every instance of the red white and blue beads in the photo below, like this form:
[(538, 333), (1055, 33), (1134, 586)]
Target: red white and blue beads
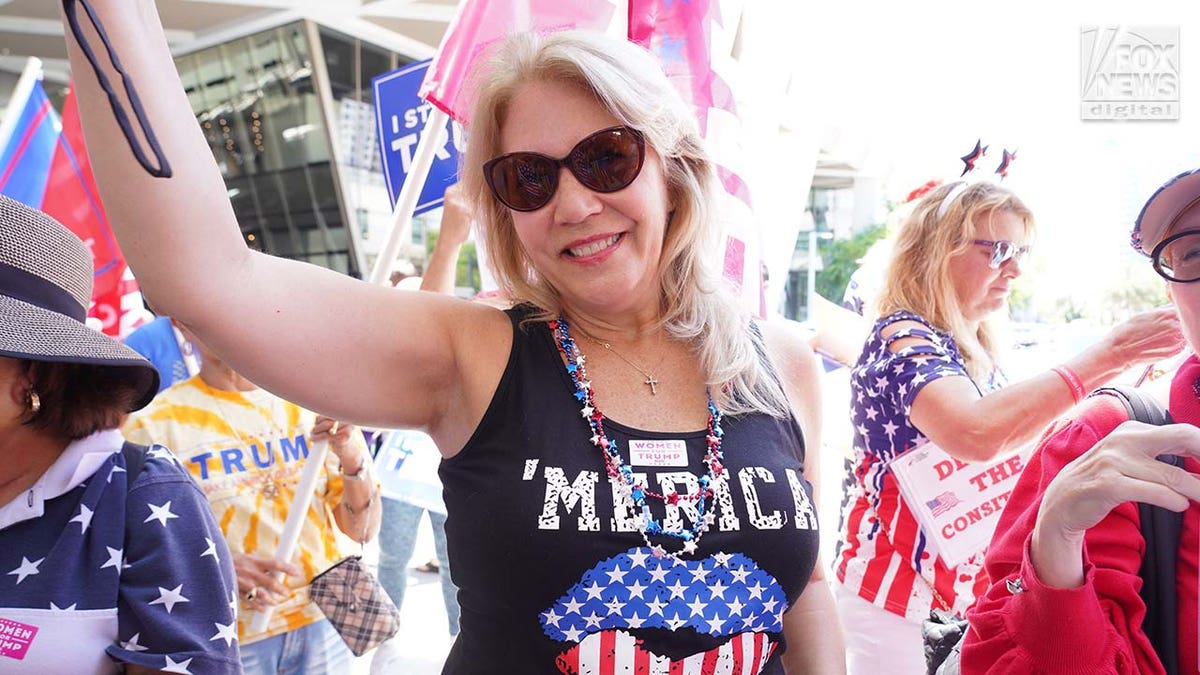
[(620, 474)]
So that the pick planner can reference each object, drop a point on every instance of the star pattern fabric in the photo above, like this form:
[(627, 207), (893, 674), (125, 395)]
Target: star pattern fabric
[(878, 527), (151, 555), (719, 595), (26, 568)]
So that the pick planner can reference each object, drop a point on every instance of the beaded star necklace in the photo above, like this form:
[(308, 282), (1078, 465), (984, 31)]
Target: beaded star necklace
[(621, 475)]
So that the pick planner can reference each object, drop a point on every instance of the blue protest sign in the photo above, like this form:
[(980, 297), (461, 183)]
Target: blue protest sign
[(400, 117)]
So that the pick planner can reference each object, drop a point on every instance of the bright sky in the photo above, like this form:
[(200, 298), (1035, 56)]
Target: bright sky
[(906, 88)]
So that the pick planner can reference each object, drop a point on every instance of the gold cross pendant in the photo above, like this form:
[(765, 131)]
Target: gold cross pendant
[(651, 382)]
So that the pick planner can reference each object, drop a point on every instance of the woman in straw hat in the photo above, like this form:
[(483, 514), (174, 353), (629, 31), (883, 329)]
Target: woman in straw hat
[(679, 533), (109, 553), (1068, 561)]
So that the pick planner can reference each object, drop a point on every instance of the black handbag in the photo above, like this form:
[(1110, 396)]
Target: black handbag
[(943, 634)]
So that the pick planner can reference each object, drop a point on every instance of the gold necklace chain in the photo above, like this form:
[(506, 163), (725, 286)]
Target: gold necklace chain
[(650, 380)]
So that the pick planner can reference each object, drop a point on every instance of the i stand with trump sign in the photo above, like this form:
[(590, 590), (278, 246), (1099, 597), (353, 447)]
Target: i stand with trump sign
[(956, 503), (401, 116)]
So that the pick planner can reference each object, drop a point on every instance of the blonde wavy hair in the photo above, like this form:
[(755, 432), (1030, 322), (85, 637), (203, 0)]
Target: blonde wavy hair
[(918, 278), (698, 305)]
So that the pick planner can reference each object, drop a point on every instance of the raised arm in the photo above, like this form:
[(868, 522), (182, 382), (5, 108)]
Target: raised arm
[(332, 344), (455, 229), (952, 414)]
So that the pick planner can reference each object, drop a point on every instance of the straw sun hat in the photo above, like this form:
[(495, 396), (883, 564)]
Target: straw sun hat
[(45, 290)]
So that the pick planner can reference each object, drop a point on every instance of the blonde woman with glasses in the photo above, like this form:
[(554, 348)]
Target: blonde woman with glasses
[(625, 451), (928, 378)]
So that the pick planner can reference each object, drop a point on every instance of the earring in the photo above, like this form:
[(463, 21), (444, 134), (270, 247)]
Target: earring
[(35, 402)]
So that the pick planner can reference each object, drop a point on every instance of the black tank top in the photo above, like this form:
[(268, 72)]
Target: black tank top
[(550, 581)]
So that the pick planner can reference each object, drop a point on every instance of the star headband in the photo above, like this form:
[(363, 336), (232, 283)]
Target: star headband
[(969, 161)]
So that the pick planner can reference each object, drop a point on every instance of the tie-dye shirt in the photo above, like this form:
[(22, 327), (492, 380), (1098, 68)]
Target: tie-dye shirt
[(246, 449), (883, 555)]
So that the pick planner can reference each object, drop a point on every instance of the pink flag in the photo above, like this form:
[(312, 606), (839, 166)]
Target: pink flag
[(479, 23), (680, 33)]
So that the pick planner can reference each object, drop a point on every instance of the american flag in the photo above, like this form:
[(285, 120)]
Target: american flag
[(620, 652), (724, 596), (943, 503)]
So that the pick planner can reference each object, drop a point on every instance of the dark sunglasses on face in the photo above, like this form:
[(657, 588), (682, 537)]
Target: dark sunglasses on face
[(1003, 250), (1177, 258), (606, 161)]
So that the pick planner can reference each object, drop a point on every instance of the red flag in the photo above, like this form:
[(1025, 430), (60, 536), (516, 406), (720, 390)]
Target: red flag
[(479, 23), (72, 199), (44, 164)]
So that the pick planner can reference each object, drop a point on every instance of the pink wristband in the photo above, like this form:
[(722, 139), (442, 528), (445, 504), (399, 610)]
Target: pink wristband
[(1073, 382)]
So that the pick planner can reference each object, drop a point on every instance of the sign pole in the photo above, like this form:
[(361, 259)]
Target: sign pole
[(297, 511), (432, 138)]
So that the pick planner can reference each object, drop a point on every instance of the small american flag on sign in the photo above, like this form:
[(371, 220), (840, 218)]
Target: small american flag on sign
[(943, 503)]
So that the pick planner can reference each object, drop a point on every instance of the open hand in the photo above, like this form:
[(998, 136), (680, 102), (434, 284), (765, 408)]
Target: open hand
[(1147, 337)]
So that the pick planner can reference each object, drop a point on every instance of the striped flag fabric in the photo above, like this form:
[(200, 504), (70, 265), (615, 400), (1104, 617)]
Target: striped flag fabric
[(26, 158), (728, 598), (613, 652), (44, 164)]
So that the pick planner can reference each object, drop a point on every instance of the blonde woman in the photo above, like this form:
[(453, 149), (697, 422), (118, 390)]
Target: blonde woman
[(928, 372), (625, 453)]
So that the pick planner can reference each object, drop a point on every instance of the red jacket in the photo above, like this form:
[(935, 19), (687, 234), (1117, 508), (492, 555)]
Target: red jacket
[(1095, 628)]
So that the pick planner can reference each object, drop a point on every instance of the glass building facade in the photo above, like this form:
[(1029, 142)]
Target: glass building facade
[(288, 114)]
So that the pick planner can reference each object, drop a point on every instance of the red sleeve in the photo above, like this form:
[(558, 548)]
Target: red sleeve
[(1091, 629)]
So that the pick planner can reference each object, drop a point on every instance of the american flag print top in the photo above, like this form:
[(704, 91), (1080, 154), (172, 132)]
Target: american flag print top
[(553, 573), (100, 569), (883, 555), (725, 596)]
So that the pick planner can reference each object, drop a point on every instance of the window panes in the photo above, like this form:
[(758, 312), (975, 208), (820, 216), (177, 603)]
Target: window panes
[(259, 110)]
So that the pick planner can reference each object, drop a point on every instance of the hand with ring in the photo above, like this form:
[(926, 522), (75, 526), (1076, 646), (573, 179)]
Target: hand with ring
[(258, 579)]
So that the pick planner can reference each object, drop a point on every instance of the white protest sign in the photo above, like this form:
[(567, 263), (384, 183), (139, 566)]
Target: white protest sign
[(956, 503)]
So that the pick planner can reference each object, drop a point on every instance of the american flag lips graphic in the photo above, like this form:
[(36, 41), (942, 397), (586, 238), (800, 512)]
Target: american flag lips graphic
[(722, 595)]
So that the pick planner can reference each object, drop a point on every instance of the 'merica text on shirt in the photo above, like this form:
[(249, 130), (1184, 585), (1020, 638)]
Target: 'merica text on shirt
[(565, 498)]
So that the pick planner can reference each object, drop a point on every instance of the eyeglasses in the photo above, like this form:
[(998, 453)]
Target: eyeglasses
[(1002, 250), (1177, 258), (606, 161)]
